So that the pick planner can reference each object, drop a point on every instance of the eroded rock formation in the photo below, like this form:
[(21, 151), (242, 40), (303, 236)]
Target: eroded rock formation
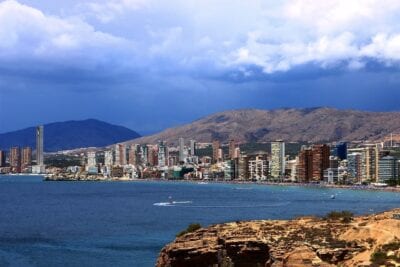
[(307, 241)]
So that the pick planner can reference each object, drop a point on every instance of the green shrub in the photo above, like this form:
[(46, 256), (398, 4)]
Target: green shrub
[(378, 257), (395, 245), (191, 228), (345, 216)]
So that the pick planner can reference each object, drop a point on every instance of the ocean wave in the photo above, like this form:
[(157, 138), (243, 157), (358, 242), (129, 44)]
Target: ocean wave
[(173, 204), (243, 188)]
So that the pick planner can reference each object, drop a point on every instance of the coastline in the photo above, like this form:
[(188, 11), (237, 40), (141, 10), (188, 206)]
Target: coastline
[(237, 182)]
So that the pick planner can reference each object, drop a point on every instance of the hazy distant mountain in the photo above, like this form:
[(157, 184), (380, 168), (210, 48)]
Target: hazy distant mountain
[(70, 135), (311, 124)]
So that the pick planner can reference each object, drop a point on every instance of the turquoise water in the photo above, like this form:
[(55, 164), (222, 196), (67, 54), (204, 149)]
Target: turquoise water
[(127, 223)]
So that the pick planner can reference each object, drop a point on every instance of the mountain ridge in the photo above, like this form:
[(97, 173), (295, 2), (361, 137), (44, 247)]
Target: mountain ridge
[(317, 124), (69, 134)]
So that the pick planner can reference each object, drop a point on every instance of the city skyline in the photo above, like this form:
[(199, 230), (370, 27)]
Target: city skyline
[(151, 62)]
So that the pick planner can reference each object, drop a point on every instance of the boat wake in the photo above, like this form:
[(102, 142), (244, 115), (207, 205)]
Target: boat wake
[(171, 203)]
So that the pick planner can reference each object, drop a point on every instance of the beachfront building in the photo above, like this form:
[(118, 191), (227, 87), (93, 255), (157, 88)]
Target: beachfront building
[(369, 162), (354, 167), (2, 158), (26, 160), (243, 167), (278, 159), (258, 168), (320, 161), (15, 159), (192, 147), (132, 154), (388, 170), (162, 154), (216, 151), (304, 166)]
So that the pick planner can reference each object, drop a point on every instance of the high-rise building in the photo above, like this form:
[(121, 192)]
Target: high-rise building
[(236, 153), (388, 170), (15, 159), (152, 156), (192, 147), (243, 168), (108, 158), (39, 145), (181, 149), (2, 158), (354, 167), (232, 148), (229, 169), (91, 159), (258, 168), (162, 154), (278, 159), (132, 158), (26, 157), (144, 151), (215, 149), (304, 166), (369, 161), (120, 154), (320, 161)]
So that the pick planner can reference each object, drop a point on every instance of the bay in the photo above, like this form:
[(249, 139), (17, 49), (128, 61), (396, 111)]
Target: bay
[(127, 223)]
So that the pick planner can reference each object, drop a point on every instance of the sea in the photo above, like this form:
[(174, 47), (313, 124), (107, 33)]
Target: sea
[(127, 223)]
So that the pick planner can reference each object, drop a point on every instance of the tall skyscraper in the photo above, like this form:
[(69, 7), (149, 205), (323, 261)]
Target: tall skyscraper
[(39, 146), (132, 154), (320, 161), (152, 158), (2, 158), (162, 154), (232, 148), (26, 157), (215, 148), (143, 154), (304, 166), (192, 147), (108, 158), (354, 167), (120, 154), (15, 159), (277, 159), (182, 149), (91, 159)]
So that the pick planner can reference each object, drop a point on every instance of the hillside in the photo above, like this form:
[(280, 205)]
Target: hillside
[(69, 135), (312, 124)]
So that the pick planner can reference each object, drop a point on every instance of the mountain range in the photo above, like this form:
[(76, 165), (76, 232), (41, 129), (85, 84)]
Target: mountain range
[(69, 135), (319, 124)]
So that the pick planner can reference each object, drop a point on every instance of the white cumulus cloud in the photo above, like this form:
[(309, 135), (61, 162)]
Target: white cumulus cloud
[(211, 35)]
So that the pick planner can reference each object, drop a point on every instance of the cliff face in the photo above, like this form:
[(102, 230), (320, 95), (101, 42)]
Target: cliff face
[(300, 242)]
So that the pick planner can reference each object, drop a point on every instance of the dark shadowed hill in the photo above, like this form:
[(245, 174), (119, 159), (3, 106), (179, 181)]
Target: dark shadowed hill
[(69, 135), (311, 124)]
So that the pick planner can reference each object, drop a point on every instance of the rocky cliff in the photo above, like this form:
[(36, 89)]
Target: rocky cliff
[(372, 240)]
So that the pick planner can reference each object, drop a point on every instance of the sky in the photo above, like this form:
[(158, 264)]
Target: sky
[(153, 64)]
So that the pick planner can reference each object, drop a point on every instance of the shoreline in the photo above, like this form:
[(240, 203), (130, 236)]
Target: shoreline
[(233, 182), (238, 182)]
